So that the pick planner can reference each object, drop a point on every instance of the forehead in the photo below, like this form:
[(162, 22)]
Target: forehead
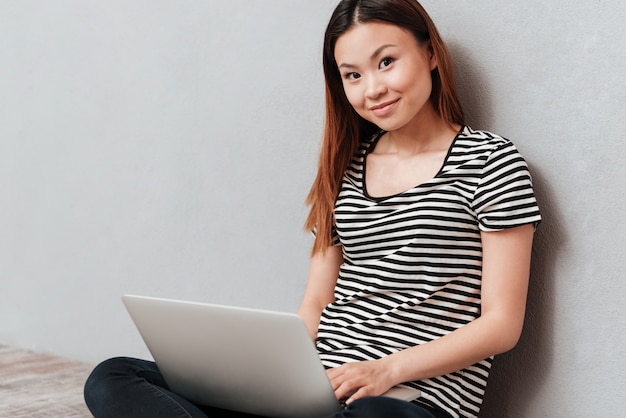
[(363, 39)]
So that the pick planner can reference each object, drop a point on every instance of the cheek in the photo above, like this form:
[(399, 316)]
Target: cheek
[(353, 95), (401, 81)]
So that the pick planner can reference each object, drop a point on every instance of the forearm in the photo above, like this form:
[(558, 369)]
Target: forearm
[(480, 339), (506, 269)]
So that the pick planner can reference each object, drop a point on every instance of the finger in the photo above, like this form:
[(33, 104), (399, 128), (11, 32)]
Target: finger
[(361, 393), (337, 376), (344, 394), (333, 373), (335, 382), (336, 371)]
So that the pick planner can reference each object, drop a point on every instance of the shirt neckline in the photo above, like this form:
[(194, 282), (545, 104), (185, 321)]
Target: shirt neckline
[(371, 147)]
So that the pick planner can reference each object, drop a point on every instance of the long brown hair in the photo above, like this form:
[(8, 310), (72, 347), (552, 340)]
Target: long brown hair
[(344, 128)]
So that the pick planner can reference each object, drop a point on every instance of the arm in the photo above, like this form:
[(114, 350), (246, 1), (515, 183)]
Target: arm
[(320, 288), (506, 270)]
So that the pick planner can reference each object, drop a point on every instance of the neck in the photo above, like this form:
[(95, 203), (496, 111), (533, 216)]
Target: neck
[(424, 134)]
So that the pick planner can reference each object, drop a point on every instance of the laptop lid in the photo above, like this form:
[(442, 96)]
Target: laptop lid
[(247, 360)]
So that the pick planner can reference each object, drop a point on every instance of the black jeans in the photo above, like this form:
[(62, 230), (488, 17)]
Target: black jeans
[(125, 387)]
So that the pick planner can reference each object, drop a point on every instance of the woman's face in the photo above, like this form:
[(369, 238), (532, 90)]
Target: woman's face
[(386, 74)]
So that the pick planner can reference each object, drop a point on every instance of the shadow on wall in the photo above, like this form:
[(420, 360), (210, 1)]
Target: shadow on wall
[(517, 376)]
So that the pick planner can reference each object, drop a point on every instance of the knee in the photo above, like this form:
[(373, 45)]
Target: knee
[(111, 368), (100, 386)]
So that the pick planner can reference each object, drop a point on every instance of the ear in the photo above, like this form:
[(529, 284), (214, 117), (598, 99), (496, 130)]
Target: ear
[(431, 56)]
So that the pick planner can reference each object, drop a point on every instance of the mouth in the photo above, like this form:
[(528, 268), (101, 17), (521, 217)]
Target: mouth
[(383, 108)]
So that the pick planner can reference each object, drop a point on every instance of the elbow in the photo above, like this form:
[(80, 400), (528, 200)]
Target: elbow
[(507, 343), (505, 332), (507, 338)]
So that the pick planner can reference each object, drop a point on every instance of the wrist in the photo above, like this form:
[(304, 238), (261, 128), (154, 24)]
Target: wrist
[(393, 369)]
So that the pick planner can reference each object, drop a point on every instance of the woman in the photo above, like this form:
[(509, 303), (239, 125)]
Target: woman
[(424, 226), (423, 229)]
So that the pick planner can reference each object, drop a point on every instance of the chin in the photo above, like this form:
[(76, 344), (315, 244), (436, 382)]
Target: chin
[(388, 126)]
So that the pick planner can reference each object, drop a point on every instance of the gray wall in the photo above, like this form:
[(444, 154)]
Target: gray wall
[(166, 147)]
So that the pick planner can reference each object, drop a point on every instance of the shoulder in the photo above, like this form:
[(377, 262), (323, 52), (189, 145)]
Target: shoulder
[(479, 145), (481, 140)]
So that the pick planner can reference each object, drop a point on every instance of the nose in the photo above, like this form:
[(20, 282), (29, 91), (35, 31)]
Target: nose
[(375, 87)]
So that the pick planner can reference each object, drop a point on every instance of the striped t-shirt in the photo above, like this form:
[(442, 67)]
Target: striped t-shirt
[(412, 261)]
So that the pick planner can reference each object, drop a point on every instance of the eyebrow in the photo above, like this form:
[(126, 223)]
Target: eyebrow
[(374, 55)]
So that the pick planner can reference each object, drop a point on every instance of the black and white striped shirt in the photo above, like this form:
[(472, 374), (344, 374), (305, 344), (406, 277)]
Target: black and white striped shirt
[(412, 261)]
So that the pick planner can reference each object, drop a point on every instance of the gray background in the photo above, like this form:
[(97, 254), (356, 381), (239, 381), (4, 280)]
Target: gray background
[(165, 148)]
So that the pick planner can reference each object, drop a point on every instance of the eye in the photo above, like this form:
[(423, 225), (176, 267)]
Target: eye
[(385, 62), (352, 76)]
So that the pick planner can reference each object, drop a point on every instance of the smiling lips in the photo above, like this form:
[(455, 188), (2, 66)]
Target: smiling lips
[(383, 108)]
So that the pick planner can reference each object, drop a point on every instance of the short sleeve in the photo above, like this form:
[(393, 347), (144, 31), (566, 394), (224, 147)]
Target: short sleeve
[(504, 197), (334, 236)]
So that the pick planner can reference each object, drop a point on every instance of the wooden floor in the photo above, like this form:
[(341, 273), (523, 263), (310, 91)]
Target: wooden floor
[(40, 385)]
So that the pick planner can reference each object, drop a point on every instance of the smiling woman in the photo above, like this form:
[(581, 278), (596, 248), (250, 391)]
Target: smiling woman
[(424, 229), (423, 225)]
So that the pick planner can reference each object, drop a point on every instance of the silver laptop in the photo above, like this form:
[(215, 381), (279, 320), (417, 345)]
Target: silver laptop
[(254, 361)]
